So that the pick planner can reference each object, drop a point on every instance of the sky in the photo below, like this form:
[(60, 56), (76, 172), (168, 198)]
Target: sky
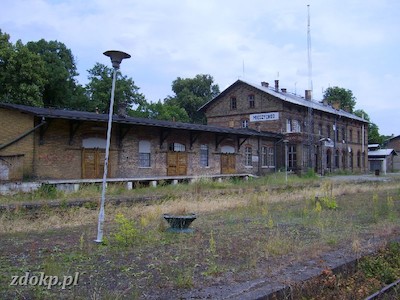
[(354, 44)]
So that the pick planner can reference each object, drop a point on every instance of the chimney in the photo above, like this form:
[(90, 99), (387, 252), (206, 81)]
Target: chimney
[(308, 95), (336, 104), (276, 85), (122, 109), (283, 90), (264, 84)]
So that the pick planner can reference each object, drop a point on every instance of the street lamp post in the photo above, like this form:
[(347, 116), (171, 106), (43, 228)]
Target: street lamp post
[(286, 158), (116, 58)]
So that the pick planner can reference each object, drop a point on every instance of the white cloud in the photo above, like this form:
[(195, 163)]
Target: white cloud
[(354, 42)]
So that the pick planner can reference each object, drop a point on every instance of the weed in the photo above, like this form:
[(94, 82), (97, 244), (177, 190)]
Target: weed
[(384, 266), (127, 232), (310, 174), (90, 205), (213, 268), (270, 223), (47, 191), (184, 278)]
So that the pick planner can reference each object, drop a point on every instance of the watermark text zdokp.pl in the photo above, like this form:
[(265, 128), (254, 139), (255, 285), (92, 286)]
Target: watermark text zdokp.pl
[(40, 279)]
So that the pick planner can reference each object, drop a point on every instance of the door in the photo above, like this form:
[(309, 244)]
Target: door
[(176, 163), (228, 163), (93, 163)]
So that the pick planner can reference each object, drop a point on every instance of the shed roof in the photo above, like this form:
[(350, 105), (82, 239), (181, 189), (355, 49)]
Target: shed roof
[(381, 153), (90, 116), (288, 97)]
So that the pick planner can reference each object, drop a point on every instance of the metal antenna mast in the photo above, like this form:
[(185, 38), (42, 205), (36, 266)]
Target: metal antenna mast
[(310, 87), (310, 84)]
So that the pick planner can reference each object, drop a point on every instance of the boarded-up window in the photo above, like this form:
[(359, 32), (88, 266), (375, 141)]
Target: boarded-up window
[(204, 155)]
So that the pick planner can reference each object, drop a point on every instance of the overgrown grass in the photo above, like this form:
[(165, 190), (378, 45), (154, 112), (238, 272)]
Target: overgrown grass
[(242, 232), (92, 191)]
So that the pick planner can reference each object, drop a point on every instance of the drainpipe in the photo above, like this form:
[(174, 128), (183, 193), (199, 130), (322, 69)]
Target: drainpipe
[(3, 146), (259, 156)]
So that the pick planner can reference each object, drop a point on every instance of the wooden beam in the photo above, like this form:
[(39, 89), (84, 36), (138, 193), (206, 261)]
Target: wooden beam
[(163, 136), (73, 128), (122, 132), (240, 143), (218, 140), (193, 138), (43, 130)]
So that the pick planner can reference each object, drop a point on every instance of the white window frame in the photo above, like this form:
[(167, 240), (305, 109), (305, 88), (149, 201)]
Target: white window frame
[(144, 154), (248, 157), (267, 157)]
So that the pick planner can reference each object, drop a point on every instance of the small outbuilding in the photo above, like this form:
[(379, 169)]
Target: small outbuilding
[(381, 160)]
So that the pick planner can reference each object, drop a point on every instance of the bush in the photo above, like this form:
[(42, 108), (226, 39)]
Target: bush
[(126, 233)]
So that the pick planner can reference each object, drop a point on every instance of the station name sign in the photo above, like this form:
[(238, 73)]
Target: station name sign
[(271, 116)]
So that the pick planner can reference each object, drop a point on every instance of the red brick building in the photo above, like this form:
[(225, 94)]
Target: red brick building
[(44, 143), (315, 134)]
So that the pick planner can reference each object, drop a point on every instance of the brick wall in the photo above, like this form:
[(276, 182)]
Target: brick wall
[(220, 113), (60, 157), (12, 125)]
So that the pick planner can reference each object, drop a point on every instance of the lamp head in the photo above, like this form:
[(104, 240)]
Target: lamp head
[(116, 57)]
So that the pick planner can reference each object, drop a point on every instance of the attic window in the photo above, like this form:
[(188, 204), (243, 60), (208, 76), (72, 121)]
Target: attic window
[(252, 102), (233, 103)]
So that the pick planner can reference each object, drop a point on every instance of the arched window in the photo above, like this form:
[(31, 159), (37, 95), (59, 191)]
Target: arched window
[(94, 142), (177, 147), (337, 159), (328, 158), (351, 158), (227, 149), (288, 125)]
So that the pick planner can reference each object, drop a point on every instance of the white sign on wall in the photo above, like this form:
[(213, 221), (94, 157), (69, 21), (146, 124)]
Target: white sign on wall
[(271, 116)]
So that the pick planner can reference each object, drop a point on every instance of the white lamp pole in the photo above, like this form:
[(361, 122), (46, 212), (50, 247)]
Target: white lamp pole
[(116, 58), (286, 158)]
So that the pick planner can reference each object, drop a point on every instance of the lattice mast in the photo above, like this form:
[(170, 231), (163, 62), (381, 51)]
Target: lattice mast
[(310, 120)]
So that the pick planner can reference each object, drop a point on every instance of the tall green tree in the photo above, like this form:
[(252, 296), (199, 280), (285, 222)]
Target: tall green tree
[(160, 111), (344, 96), (192, 93), (22, 74), (373, 130), (99, 90), (61, 90)]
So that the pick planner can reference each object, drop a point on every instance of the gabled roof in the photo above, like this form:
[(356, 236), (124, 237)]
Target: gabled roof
[(381, 153), (374, 146), (288, 97), (393, 138), (90, 116)]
